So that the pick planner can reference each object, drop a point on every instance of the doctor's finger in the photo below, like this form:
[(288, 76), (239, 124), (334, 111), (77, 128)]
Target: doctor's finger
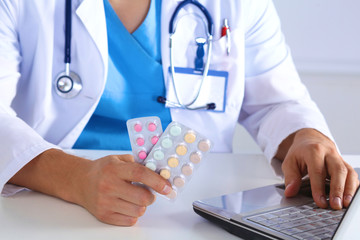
[(135, 194), (352, 183), (117, 219), (127, 208), (293, 176), (338, 174), (135, 172), (317, 174)]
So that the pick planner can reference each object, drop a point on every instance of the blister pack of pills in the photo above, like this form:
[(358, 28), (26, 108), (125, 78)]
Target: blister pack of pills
[(144, 133), (177, 154)]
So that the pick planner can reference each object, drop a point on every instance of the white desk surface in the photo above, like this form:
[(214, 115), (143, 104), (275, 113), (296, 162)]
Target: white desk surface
[(31, 215)]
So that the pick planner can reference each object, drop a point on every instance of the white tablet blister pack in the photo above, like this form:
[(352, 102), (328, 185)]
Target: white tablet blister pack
[(177, 154), (144, 133)]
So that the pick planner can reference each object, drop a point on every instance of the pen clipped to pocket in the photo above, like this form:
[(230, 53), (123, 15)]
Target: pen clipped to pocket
[(225, 31)]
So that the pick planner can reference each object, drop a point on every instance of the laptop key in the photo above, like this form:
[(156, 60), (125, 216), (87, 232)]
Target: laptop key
[(329, 221), (294, 216), (277, 227), (303, 207), (290, 210), (291, 224), (268, 222), (314, 218), (291, 231), (319, 231), (332, 227), (257, 219), (303, 235), (325, 236), (273, 221), (311, 205), (294, 210), (279, 220), (281, 212), (269, 216), (309, 212), (320, 210), (338, 219), (337, 212), (304, 228), (313, 238), (318, 224), (326, 215)]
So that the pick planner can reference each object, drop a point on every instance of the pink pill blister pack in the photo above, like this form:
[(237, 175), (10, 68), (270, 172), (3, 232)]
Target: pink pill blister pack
[(144, 133), (177, 154)]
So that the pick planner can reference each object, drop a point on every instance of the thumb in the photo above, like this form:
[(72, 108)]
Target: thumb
[(293, 178)]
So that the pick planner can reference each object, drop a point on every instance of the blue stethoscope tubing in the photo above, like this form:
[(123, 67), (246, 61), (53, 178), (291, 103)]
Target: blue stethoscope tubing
[(68, 24), (68, 84), (201, 7), (210, 30)]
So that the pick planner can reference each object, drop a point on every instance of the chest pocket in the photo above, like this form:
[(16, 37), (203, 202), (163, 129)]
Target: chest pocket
[(185, 47)]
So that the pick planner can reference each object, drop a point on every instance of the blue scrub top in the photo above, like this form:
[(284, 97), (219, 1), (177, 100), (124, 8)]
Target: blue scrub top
[(135, 80)]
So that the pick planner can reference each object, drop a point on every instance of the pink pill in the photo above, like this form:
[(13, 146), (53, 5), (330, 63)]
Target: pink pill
[(140, 141), (152, 127), (154, 139), (137, 127), (142, 155)]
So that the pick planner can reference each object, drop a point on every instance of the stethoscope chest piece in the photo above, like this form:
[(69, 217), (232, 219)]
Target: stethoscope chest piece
[(68, 85)]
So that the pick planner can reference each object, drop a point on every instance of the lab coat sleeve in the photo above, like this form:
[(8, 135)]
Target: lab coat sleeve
[(276, 103), (19, 143)]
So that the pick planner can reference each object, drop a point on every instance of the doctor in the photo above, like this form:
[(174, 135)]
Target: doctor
[(120, 54)]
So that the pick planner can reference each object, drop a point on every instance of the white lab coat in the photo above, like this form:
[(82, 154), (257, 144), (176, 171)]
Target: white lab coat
[(264, 92)]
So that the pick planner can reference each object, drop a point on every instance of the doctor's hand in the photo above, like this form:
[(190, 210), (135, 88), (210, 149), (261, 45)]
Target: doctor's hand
[(104, 186), (309, 152), (108, 193)]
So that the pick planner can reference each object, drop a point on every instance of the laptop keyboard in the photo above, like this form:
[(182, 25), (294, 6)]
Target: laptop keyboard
[(301, 222)]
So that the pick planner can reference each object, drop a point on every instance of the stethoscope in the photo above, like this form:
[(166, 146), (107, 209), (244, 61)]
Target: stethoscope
[(68, 84), (200, 42)]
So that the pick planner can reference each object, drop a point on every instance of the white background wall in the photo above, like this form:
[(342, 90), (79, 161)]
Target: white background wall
[(324, 38)]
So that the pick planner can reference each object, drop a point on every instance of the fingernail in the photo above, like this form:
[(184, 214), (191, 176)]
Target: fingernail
[(166, 189), (287, 186), (323, 200), (347, 198), (337, 202)]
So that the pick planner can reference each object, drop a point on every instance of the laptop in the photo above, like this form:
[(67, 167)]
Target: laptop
[(264, 213)]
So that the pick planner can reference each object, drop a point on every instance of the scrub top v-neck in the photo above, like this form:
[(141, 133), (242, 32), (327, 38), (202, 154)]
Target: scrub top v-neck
[(135, 79)]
